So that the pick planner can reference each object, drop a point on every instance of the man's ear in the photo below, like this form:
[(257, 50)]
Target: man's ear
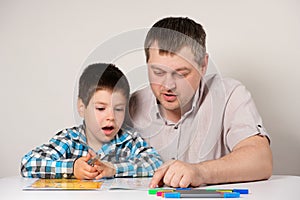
[(204, 65), (80, 107)]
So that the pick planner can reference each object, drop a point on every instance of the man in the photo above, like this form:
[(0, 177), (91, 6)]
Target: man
[(206, 127)]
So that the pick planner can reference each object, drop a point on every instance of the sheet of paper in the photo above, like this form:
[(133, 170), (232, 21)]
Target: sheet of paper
[(140, 183)]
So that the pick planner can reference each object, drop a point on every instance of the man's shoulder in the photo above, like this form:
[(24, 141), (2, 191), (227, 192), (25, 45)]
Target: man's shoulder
[(144, 94), (216, 79), (141, 100), (217, 82)]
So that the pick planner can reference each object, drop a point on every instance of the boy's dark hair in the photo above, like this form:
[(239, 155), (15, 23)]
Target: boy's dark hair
[(101, 76), (174, 33)]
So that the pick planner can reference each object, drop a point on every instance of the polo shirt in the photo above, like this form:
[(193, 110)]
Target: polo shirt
[(222, 114)]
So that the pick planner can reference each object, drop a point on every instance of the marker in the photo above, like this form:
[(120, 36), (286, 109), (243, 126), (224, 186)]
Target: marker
[(183, 188), (154, 191), (93, 160), (161, 193), (241, 191), (201, 194)]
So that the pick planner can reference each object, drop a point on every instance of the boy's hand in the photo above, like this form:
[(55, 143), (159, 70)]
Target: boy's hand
[(105, 169), (82, 170)]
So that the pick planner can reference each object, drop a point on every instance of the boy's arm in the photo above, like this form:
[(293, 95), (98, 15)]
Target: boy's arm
[(49, 160), (142, 161)]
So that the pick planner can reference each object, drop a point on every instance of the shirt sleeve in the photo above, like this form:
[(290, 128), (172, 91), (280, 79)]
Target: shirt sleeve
[(242, 119), (49, 160), (143, 160)]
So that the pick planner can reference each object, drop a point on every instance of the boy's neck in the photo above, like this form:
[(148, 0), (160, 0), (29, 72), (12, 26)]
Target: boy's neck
[(93, 142)]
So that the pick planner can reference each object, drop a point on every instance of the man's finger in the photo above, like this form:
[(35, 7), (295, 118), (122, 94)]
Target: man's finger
[(157, 177)]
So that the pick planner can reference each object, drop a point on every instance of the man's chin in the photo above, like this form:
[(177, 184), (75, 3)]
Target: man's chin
[(171, 106)]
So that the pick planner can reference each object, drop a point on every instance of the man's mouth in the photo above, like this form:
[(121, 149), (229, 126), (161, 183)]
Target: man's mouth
[(169, 97)]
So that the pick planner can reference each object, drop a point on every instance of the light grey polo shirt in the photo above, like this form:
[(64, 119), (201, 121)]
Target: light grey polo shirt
[(223, 114)]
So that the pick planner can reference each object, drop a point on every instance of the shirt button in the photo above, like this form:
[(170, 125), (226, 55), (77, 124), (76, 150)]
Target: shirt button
[(65, 175)]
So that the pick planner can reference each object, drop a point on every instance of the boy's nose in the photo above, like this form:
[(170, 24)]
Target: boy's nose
[(110, 114)]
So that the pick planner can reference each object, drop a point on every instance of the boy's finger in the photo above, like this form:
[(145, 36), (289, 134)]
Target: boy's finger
[(90, 175), (92, 153), (99, 176), (87, 157)]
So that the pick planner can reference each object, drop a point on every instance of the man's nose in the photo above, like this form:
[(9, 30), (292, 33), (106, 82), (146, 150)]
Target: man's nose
[(169, 82)]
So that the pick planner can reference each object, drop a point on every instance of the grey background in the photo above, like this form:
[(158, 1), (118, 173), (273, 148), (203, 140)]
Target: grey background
[(43, 45)]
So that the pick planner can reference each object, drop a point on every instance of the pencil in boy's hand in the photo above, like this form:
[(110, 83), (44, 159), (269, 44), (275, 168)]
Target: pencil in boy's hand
[(94, 159)]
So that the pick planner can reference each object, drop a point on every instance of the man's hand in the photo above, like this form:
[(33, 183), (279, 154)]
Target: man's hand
[(82, 170), (250, 160), (176, 173)]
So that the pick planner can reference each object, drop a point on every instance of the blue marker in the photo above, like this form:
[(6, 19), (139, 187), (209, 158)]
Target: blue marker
[(183, 189), (201, 194)]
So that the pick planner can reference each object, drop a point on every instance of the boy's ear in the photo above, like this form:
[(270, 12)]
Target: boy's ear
[(80, 107)]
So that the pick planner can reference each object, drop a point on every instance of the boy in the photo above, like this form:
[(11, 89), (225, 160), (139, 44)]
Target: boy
[(102, 103)]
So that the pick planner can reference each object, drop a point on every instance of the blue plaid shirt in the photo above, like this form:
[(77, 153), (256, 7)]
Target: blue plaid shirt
[(129, 153)]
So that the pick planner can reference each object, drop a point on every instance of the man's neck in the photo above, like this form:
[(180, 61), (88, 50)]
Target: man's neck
[(171, 115), (175, 115)]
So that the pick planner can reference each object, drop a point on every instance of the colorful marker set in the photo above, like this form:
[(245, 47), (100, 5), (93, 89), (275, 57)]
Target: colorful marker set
[(197, 193)]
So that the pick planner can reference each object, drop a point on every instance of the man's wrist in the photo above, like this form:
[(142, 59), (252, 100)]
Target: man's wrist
[(203, 172)]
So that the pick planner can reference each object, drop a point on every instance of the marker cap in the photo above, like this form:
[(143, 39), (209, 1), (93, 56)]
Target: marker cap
[(172, 195), (231, 195), (241, 191)]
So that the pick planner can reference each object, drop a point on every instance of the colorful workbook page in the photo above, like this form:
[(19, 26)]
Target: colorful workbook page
[(64, 184)]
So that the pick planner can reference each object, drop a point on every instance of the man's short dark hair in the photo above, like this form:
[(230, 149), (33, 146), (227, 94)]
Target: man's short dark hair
[(174, 33)]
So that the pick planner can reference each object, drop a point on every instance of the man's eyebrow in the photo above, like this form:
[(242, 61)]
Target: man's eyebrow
[(183, 69), (178, 69)]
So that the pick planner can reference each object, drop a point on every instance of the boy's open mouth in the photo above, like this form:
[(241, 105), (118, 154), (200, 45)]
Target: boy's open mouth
[(107, 130)]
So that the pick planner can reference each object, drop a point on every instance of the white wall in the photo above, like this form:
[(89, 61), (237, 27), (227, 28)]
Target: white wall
[(43, 45)]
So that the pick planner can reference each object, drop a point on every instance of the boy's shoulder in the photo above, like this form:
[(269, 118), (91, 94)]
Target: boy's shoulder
[(74, 133), (128, 133)]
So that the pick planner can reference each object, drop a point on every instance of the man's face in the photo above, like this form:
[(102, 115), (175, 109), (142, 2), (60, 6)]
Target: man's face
[(174, 78)]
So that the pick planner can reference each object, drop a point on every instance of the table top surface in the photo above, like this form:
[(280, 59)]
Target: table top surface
[(277, 187)]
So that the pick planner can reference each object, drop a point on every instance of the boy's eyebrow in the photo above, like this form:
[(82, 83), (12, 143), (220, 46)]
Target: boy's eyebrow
[(120, 104), (99, 102), (102, 103), (156, 67)]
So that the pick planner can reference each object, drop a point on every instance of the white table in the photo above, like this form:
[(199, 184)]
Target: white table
[(277, 187)]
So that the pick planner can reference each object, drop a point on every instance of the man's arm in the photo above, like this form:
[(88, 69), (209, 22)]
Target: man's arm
[(250, 160)]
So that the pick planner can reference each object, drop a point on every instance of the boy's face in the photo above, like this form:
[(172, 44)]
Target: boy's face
[(103, 116)]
